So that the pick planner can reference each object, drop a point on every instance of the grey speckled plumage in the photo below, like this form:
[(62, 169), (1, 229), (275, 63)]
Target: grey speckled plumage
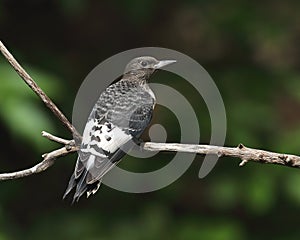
[(119, 117)]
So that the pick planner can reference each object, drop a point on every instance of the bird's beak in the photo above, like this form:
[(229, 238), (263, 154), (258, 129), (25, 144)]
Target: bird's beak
[(163, 63)]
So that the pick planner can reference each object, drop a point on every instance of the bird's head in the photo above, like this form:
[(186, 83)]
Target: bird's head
[(147, 64)]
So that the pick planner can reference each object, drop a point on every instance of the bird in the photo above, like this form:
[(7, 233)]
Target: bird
[(116, 122)]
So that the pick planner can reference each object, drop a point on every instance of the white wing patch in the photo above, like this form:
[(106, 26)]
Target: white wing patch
[(86, 138), (111, 138), (99, 139)]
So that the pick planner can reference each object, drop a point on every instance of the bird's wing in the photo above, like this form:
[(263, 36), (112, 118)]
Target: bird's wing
[(103, 145), (102, 148)]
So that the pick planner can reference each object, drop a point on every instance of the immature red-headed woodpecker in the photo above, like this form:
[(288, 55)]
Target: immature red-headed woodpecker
[(117, 120)]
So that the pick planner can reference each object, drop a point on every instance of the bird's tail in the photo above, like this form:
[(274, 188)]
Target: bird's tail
[(81, 186)]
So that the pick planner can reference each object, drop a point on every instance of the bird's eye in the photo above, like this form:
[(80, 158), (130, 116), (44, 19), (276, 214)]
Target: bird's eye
[(144, 64)]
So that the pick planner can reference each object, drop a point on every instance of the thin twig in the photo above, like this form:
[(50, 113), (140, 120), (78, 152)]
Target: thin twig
[(48, 161), (32, 84), (55, 139)]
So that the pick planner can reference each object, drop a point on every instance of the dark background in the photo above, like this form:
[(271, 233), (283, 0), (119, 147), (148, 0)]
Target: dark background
[(250, 48)]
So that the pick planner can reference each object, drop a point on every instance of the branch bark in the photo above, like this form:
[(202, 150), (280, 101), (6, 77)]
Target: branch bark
[(48, 161), (244, 153)]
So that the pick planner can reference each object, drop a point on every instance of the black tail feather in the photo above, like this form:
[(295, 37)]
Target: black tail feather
[(72, 184), (81, 186)]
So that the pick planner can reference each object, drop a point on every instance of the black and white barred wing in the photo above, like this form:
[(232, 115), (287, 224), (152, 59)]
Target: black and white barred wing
[(107, 140), (103, 145)]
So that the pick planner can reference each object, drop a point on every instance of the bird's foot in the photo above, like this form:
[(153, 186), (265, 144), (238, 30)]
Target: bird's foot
[(138, 141)]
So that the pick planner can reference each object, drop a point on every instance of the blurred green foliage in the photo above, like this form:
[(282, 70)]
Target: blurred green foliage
[(250, 48), (19, 106)]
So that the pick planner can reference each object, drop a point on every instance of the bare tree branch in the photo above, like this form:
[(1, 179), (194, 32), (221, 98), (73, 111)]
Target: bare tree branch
[(57, 139), (244, 153), (48, 159), (38, 91)]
